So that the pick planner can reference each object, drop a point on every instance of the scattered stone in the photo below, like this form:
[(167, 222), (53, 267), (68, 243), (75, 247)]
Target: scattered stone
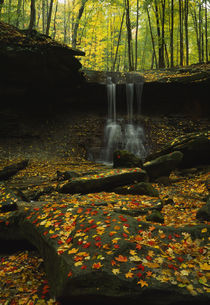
[(61, 176), (123, 158), (11, 170), (105, 181), (8, 200), (155, 216), (169, 201), (203, 214), (163, 165), (141, 188)]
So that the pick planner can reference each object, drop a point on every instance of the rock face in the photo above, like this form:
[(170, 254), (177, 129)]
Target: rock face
[(194, 146), (34, 64), (106, 181), (163, 165), (123, 158), (100, 256)]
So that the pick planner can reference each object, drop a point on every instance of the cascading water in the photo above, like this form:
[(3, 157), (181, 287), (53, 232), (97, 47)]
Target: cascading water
[(120, 133)]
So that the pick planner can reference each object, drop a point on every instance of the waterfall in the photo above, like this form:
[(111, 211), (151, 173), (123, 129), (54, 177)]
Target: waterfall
[(122, 133)]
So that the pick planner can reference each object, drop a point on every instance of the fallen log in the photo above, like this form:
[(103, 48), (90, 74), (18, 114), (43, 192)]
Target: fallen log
[(11, 170)]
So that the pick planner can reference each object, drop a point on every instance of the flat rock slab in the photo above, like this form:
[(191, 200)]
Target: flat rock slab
[(105, 181), (93, 254)]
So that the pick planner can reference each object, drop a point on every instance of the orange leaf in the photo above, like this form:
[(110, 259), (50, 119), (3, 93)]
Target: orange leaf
[(97, 265), (121, 259), (129, 274)]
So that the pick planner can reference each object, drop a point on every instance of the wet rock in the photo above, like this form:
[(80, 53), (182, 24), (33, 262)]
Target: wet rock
[(105, 181), (163, 165), (11, 170), (66, 175), (203, 214), (155, 216), (123, 158), (141, 188), (8, 199), (194, 146)]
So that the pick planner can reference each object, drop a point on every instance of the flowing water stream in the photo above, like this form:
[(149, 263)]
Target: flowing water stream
[(120, 132)]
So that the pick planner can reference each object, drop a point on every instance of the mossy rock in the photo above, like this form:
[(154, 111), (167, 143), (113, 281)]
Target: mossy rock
[(123, 158), (156, 216), (141, 188)]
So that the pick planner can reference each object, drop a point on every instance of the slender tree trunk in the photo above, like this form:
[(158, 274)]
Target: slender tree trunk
[(172, 34), (54, 22), (9, 11), (136, 38), (206, 31), (49, 17), (76, 25), (200, 32), (1, 5), (18, 13), (186, 32), (181, 32), (129, 35), (166, 57), (43, 16), (119, 38), (158, 34), (32, 16), (162, 62), (152, 38)]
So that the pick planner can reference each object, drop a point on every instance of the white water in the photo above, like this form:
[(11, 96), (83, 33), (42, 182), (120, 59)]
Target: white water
[(120, 133)]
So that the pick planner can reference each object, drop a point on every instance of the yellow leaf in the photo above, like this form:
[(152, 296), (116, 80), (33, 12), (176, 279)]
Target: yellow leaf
[(204, 230), (116, 271), (129, 274), (205, 266), (72, 251), (142, 283)]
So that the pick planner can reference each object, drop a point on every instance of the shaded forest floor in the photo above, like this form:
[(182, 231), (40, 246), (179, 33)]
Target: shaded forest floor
[(61, 146)]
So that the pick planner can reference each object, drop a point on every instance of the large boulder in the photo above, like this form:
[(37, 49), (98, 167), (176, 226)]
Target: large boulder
[(98, 256), (105, 181), (163, 165), (123, 158), (141, 188), (203, 214), (194, 146)]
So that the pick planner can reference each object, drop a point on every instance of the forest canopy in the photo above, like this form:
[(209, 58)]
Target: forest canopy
[(120, 35)]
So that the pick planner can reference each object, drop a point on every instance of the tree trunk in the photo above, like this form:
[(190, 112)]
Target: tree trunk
[(152, 38), (186, 32), (43, 16), (49, 17), (119, 38), (158, 34), (18, 13), (162, 62), (172, 34), (32, 16), (76, 25), (129, 36), (181, 32), (54, 22), (206, 31), (136, 38)]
